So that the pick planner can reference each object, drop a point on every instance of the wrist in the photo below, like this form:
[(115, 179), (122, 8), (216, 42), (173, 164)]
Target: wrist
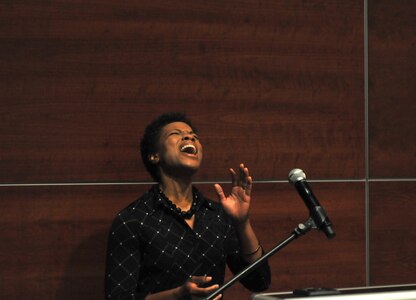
[(242, 225), (178, 293), (259, 248)]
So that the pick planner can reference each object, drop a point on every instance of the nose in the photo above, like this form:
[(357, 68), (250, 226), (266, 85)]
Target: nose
[(188, 137)]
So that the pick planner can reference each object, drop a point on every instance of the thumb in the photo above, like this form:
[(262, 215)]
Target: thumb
[(200, 279), (220, 192)]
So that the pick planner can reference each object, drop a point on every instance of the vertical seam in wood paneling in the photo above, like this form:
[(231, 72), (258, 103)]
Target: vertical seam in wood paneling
[(367, 171)]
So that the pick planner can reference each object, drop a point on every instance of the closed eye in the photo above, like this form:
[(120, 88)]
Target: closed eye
[(174, 133)]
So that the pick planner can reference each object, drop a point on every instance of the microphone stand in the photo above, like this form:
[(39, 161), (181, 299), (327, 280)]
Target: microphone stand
[(300, 230)]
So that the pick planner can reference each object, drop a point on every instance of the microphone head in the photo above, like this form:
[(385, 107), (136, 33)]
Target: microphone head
[(296, 175)]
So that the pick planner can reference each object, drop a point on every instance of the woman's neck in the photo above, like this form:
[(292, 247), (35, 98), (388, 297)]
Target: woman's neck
[(178, 191)]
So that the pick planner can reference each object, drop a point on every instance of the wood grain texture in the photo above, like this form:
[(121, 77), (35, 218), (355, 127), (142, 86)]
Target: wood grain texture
[(392, 106), (278, 82), (55, 240), (274, 84), (393, 239)]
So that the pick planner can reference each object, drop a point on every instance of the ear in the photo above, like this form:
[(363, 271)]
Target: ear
[(154, 158)]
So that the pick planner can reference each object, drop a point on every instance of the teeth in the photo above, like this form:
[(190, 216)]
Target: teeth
[(189, 149)]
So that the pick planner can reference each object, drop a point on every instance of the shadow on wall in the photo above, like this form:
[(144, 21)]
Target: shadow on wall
[(83, 277)]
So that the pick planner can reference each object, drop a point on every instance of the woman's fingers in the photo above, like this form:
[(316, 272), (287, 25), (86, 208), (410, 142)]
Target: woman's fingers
[(202, 285)]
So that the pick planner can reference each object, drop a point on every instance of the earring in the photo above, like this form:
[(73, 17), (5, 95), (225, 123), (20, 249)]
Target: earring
[(154, 159)]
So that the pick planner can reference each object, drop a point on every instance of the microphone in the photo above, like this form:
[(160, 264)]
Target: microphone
[(298, 178)]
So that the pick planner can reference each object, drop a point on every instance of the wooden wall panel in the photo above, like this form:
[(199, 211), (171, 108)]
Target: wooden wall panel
[(274, 84), (54, 239), (392, 128), (392, 243), (279, 82), (392, 69)]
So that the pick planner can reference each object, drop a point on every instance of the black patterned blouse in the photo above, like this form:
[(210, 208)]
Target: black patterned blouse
[(152, 249)]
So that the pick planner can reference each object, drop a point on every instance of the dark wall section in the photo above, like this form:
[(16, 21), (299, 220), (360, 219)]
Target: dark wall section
[(392, 53), (392, 132), (282, 80)]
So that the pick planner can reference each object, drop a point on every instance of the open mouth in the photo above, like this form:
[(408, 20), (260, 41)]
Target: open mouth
[(189, 148)]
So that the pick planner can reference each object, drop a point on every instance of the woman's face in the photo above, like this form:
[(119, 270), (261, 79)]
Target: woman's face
[(180, 151)]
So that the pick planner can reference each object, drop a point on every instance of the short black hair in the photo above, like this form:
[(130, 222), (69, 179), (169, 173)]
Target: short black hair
[(149, 143)]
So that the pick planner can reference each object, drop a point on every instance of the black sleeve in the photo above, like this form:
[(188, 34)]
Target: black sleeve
[(123, 260)]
